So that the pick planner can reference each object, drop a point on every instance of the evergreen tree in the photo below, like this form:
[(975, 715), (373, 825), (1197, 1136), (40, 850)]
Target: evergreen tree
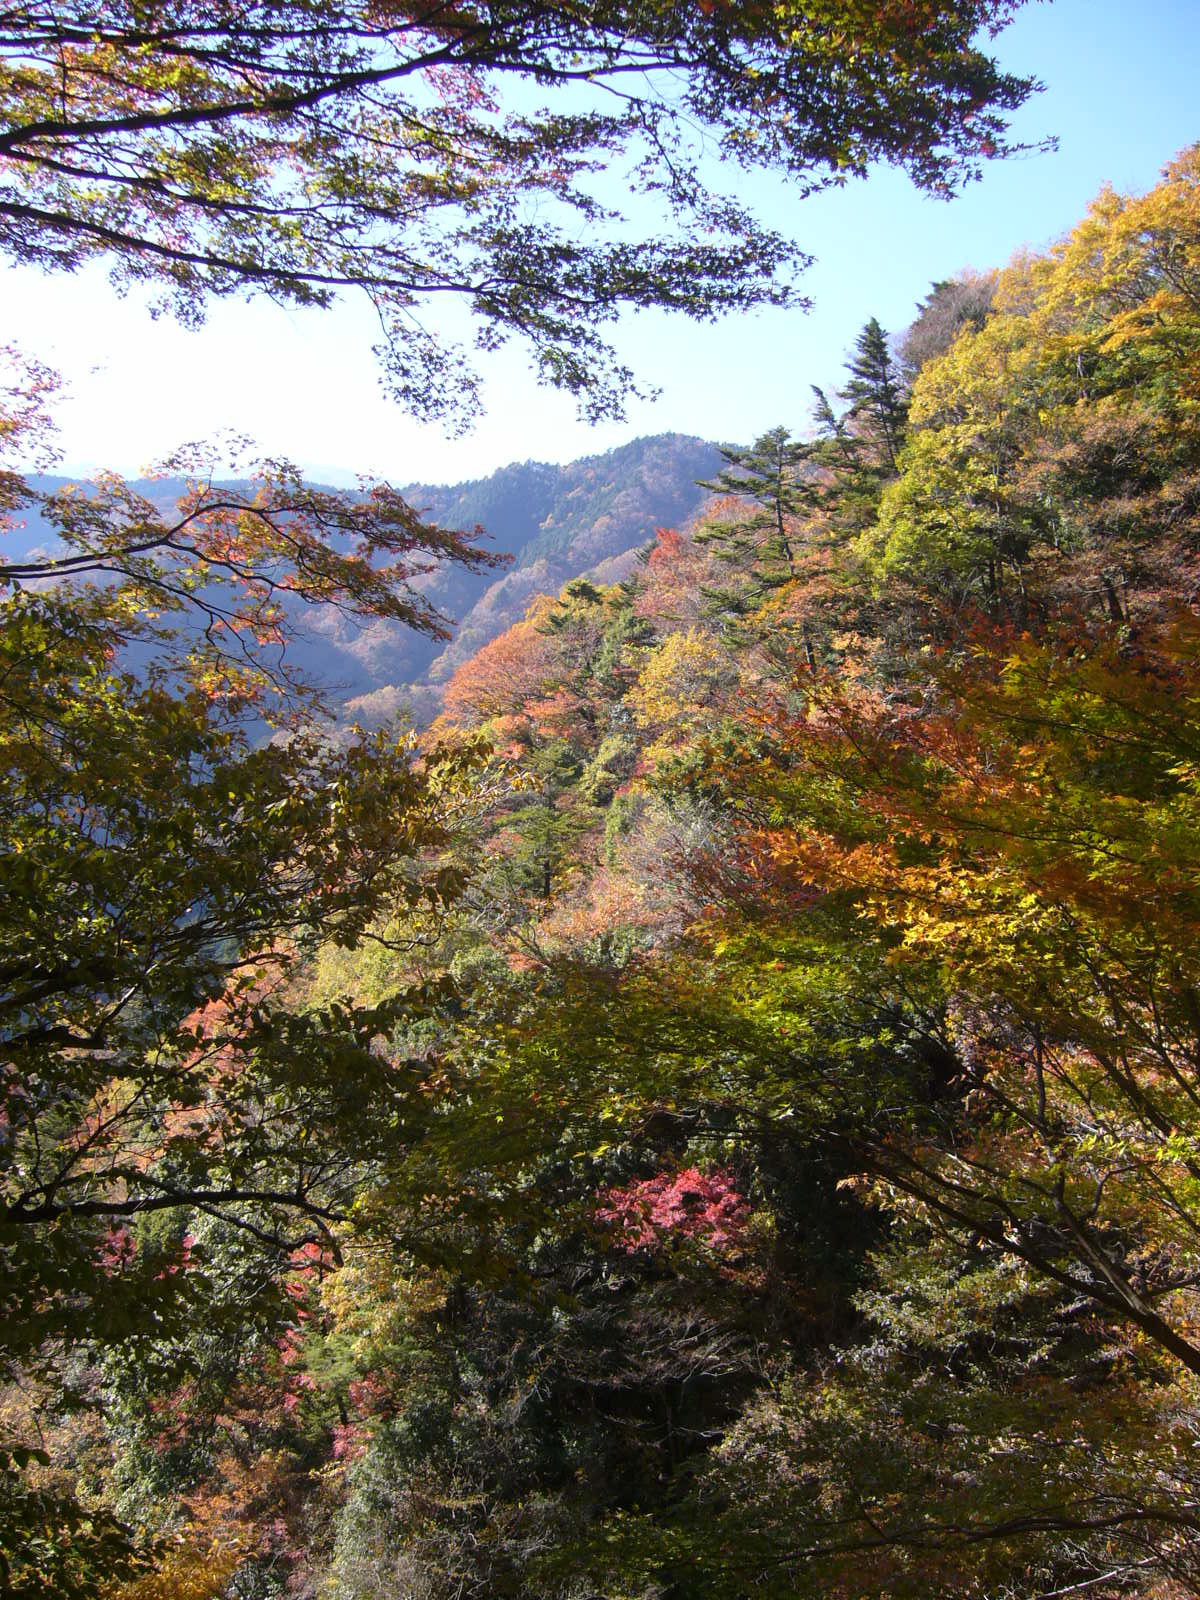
[(859, 447), (762, 546), (875, 394)]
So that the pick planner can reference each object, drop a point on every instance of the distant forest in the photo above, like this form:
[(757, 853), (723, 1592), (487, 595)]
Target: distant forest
[(552, 523)]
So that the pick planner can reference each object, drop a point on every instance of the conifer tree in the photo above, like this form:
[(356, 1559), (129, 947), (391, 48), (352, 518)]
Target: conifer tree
[(859, 446), (760, 546), (875, 394)]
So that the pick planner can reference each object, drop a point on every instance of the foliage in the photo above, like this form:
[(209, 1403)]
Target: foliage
[(303, 149), (919, 993), (185, 1575), (50, 1543), (688, 1203), (715, 1117), (167, 871), (1063, 426)]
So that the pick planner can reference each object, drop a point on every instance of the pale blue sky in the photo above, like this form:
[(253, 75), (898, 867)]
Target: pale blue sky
[(1121, 95)]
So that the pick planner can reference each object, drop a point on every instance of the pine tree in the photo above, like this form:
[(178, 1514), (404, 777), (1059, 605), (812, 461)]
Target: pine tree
[(761, 546), (875, 394)]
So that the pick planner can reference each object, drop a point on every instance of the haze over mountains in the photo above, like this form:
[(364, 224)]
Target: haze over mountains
[(590, 516)]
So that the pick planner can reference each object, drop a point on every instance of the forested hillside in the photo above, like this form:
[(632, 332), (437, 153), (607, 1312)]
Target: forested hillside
[(551, 522), (742, 1137), (713, 1113), (556, 522)]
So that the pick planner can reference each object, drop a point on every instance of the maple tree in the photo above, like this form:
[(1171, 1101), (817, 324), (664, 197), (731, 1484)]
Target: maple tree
[(687, 1204), (1023, 853), (166, 872), (164, 879), (515, 667), (231, 566)]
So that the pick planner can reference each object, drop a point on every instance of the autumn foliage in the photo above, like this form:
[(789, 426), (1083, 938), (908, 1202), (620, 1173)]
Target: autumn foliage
[(715, 1115)]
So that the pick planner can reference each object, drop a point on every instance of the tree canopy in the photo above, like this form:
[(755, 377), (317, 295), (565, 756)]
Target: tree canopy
[(437, 150), (715, 1115)]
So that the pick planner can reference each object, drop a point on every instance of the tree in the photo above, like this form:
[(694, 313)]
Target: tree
[(519, 664), (875, 394), (163, 879), (945, 944), (857, 449), (951, 305), (769, 475), (771, 488), (216, 581), (166, 874), (1048, 460), (977, 1442), (302, 149), (1031, 840), (156, 851), (679, 691), (164, 882)]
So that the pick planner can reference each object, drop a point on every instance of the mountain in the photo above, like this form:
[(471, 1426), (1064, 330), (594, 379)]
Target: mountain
[(557, 522), (560, 522)]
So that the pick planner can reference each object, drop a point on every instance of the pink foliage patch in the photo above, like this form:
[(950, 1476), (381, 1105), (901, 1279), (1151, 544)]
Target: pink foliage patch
[(689, 1204), (369, 1394), (350, 1441), (117, 1249)]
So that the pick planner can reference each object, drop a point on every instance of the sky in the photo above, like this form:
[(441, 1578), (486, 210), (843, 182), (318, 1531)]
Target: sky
[(1121, 98)]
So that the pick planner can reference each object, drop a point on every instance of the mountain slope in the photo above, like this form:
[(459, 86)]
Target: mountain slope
[(560, 522), (557, 522)]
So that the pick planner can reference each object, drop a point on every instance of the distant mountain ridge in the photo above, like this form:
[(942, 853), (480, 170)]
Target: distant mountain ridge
[(560, 522), (589, 516)]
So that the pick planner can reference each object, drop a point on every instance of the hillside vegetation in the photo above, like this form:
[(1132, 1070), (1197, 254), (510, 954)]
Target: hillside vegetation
[(588, 517), (768, 1159), (550, 522)]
